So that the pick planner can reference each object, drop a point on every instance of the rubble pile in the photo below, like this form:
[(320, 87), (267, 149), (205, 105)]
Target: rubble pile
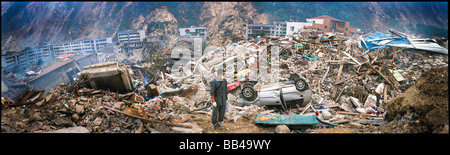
[(353, 91), (424, 106)]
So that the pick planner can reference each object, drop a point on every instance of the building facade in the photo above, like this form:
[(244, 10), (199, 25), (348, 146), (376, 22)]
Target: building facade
[(193, 32), (131, 39), (83, 47), (14, 58), (131, 36), (293, 27), (277, 29), (322, 23), (50, 51), (153, 42), (330, 24)]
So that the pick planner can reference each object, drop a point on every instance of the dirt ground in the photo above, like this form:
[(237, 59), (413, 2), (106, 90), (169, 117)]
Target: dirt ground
[(424, 106), (244, 124)]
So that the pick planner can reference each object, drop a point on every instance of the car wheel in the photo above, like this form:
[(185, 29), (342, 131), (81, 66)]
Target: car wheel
[(301, 85), (248, 93)]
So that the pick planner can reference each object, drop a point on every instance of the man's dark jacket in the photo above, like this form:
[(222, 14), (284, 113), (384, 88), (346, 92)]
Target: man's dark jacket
[(219, 91)]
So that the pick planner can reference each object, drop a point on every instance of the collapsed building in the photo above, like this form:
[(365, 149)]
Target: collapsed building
[(64, 71), (352, 90)]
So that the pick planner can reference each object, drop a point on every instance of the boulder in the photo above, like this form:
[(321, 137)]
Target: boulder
[(195, 128), (77, 129), (282, 129)]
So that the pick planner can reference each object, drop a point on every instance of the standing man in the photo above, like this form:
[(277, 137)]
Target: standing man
[(219, 98)]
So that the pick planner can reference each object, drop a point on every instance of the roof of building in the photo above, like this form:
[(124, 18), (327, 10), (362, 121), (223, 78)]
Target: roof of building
[(325, 17), (54, 67), (193, 28), (65, 56)]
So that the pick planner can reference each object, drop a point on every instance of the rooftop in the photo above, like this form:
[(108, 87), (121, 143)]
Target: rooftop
[(325, 17), (65, 56)]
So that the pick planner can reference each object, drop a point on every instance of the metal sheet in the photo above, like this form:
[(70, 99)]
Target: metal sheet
[(286, 119)]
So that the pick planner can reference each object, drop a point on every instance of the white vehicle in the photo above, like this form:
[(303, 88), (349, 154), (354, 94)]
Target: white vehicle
[(289, 94)]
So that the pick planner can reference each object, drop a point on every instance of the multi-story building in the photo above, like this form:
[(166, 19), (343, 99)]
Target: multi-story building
[(35, 55), (83, 47), (193, 32), (131, 39), (292, 27), (131, 36), (277, 29), (153, 42), (14, 58), (330, 24), (322, 23), (47, 52)]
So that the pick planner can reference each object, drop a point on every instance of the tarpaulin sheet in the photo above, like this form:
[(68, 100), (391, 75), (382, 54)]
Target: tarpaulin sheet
[(290, 120), (286, 119), (372, 42)]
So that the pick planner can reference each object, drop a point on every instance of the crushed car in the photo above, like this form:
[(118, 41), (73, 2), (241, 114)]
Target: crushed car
[(288, 94)]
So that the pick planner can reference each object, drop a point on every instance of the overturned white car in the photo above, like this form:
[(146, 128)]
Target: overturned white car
[(288, 94)]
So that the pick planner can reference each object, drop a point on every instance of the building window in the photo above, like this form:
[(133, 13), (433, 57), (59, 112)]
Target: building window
[(346, 29), (326, 27), (292, 28)]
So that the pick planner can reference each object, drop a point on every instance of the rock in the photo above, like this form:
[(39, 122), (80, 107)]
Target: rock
[(369, 85), (98, 121), (96, 92), (326, 114), (140, 128), (119, 105), (355, 125), (37, 116), (40, 103), (375, 122), (282, 129), (75, 116), (63, 121), (77, 129), (195, 128), (79, 108)]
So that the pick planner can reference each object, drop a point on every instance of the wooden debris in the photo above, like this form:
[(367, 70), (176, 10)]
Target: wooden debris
[(352, 113), (384, 77), (146, 119), (337, 79)]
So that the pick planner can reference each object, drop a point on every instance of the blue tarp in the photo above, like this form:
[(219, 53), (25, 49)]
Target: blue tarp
[(10, 66), (145, 81), (290, 120), (371, 42)]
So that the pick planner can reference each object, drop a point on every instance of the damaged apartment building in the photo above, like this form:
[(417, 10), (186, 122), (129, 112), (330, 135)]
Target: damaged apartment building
[(322, 23), (55, 62), (38, 55), (130, 40)]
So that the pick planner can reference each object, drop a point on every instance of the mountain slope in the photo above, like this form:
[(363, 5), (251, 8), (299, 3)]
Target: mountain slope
[(31, 24)]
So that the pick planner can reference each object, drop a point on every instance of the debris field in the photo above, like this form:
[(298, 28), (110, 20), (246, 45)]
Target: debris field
[(354, 90)]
